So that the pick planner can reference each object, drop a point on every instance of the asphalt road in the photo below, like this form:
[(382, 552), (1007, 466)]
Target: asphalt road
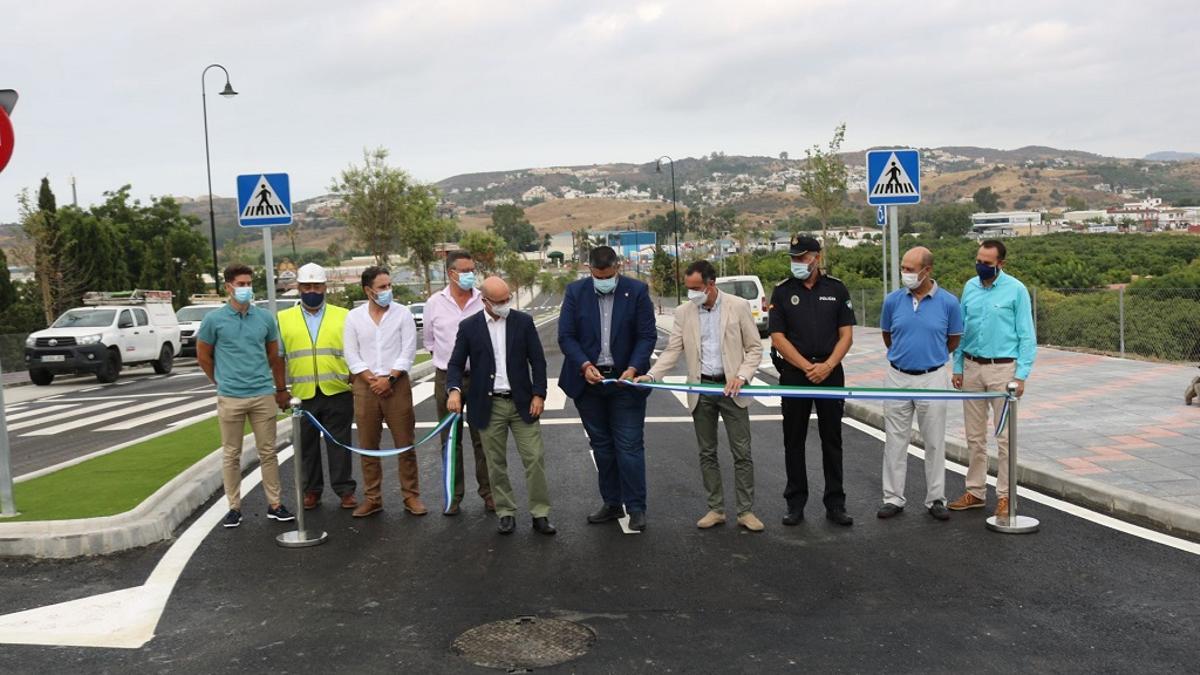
[(391, 592)]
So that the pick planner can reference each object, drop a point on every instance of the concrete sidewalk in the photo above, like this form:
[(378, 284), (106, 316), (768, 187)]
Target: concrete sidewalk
[(1112, 434)]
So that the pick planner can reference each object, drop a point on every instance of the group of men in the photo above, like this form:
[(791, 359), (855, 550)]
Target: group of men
[(353, 366)]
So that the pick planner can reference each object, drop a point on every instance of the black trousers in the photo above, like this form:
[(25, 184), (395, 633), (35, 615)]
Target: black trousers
[(336, 413), (796, 412)]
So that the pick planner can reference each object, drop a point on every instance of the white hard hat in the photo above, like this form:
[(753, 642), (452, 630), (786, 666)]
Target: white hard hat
[(312, 273)]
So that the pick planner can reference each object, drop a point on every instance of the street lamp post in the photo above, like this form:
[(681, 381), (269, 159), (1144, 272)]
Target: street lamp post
[(675, 215), (212, 218)]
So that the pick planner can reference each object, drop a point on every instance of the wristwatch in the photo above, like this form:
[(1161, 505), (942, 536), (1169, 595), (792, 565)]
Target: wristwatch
[(393, 378)]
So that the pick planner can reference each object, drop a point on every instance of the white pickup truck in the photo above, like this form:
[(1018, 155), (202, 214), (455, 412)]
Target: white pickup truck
[(110, 331)]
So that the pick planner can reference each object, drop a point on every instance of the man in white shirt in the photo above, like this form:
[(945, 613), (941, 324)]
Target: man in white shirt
[(444, 311), (380, 343)]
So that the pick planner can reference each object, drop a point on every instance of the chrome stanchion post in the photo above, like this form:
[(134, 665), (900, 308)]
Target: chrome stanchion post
[(301, 537), (1011, 523)]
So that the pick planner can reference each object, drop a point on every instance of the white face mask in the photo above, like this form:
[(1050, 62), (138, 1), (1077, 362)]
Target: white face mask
[(697, 297), (502, 310), (910, 280)]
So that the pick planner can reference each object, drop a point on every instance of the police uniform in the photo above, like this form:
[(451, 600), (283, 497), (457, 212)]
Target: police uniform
[(810, 318)]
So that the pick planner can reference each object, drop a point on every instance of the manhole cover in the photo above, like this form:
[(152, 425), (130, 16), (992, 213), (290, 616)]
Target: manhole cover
[(525, 642)]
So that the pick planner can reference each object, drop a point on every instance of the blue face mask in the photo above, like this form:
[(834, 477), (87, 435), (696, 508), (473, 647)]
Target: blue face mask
[(466, 280), (383, 298), (243, 294), (986, 272), (801, 270), (605, 286), (313, 300)]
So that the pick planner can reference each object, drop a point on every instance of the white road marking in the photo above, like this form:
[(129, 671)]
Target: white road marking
[(85, 413), (124, 619), (421, 392), (79, 399), (68, 426), (1052, 502), (156, 416), (679, 395), (40, 411), (556, 398), (191, 420), (771, 401)]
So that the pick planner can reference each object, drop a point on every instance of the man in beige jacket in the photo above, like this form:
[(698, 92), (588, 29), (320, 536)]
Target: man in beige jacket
[(716, 334)]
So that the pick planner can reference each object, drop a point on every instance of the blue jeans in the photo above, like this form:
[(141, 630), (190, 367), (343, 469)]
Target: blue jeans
[(614, 418)]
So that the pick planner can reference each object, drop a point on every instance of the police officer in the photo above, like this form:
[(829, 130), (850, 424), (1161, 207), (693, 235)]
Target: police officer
[(811, 325)]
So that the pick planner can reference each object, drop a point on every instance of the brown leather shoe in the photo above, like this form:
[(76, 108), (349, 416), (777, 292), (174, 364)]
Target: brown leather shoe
[(367, 508), (967, 501), (349, 501), (489, 505), (415, 506), (711, 519), (454, 510), (1002, 507), (311, 499)]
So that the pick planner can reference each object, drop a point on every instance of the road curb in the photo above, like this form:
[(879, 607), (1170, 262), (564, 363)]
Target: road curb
[(1134, 507), (154, 520)]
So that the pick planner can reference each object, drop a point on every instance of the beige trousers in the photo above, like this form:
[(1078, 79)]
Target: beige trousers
[(232, 414), (985, 377)]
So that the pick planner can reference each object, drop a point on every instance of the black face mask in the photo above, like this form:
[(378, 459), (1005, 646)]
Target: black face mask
[(986, 272), (313, 300)]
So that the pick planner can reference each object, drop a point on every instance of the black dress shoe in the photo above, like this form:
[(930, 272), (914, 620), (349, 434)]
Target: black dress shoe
[(543, 525), (839, 517), (507, 525), (793, 518), (606, 513), (637, 521), (939, 511), (889, 510)]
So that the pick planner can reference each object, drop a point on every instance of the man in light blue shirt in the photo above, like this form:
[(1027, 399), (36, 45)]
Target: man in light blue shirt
[(998, 347), (922, 324)]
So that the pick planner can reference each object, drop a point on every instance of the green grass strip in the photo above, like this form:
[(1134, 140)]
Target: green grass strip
[(116, 482)]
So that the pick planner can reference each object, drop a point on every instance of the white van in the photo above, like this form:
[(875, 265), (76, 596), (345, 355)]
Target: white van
[(110, 331), (190, 317), (749, 287)]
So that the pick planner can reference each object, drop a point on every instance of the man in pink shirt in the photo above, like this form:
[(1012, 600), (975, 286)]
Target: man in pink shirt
[(444, 310)]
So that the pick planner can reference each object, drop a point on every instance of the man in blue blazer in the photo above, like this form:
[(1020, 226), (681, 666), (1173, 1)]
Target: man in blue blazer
[(606, 331), (502, 349)]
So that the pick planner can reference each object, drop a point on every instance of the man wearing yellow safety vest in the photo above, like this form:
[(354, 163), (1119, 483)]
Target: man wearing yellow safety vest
[(311, 333)]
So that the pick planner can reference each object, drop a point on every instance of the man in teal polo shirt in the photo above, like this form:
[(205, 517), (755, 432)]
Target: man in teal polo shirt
[(998, 347), (921, 325), (238, 349)]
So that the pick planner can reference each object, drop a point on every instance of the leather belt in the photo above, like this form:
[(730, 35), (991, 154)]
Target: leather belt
[(608, 371), (915, 372), (989, 362), (501, 394), (716, 379)]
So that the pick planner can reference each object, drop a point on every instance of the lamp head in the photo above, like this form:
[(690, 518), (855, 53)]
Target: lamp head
[(228, 91)]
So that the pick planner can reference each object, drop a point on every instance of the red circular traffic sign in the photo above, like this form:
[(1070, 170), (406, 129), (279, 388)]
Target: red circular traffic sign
[(6, 139)]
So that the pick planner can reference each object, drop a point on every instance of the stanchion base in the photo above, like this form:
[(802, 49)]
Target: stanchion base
[(1018, 525), (301, 538)]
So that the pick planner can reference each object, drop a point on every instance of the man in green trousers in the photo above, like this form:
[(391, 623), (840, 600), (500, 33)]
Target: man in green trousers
[(716, 335), (502, 349)]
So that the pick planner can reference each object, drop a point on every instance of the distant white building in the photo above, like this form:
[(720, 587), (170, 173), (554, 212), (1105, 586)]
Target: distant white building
[(536, 192), (491, 203), (1085, 216), (1003, 223)]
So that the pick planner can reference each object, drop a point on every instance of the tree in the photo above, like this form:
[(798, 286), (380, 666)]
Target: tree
[(376, 196), (509, 222), (823, 183), (986, 200), (421, 230), (56, 281), (8, 292), (556, 258), (518, 272), (292, 231), (485, 247), (1076, 203), (783, 155), (662, 272)]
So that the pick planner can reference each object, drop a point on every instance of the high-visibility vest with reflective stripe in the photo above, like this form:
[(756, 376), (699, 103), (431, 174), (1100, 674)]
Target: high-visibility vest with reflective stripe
[(311, 365)]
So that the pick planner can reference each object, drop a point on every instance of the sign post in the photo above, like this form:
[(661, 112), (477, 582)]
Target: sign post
[(8, 507), (893, 178), (881, 221), (265, 200)]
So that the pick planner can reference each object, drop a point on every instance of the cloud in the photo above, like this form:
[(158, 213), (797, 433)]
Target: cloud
[(110, 90)]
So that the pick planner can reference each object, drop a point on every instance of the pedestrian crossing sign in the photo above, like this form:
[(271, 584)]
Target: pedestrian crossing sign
[(264, 200), (893, 177)]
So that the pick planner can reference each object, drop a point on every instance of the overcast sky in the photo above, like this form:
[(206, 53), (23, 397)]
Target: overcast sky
[(110, 91)]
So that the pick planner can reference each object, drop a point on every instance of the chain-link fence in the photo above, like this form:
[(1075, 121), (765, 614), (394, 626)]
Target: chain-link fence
[(1153, 323)]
